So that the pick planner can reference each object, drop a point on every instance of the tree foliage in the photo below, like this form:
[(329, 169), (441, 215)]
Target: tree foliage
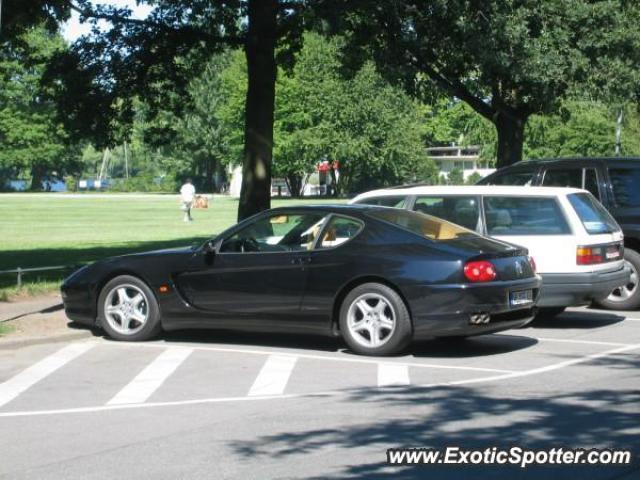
[(507, 59), (375, 131), (31, 137)]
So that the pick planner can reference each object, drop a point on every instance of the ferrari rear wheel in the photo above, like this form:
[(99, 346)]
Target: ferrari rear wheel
[(128, 310), (374, 320)]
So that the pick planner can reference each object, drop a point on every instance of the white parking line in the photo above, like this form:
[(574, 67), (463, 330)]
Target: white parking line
[(150, 379), (274, 375), (201, 401), (390, 375), (549, 368), (330, 358), (36, 372)]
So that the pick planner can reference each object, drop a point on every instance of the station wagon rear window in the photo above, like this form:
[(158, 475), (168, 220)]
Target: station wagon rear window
[(593, 216), (524, 216), (424, 225)]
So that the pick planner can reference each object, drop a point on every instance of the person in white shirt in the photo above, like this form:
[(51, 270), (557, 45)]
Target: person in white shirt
[(187, 193)]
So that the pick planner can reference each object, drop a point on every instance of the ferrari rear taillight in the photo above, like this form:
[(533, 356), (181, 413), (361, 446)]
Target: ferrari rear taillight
[(480, 271), (532, 262)]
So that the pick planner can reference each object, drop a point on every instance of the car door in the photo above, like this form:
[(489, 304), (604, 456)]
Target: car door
[(583, 176), (258, 274), (333, 264), (624, 178)]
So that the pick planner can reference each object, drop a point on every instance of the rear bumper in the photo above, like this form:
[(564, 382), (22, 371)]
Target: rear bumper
[(572, 289), (445, 310)]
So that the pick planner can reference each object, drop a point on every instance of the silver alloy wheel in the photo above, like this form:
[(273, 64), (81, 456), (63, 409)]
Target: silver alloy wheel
[(126, 309), (622, 293), (371, 320)]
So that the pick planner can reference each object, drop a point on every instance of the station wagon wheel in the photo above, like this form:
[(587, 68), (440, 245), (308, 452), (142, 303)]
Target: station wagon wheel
[(128, 310), (374, 320), (626, 297), (626, 291)]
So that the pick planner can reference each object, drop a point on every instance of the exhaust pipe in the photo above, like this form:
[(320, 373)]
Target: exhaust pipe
[(480, 318)]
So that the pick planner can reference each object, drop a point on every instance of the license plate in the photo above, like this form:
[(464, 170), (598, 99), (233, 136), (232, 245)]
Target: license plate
[(521, 297), (612, 252)]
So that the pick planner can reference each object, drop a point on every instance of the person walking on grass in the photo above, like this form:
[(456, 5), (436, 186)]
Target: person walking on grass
[(187, 194)]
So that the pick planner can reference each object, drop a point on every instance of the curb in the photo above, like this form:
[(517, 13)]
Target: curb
[(14, 343)]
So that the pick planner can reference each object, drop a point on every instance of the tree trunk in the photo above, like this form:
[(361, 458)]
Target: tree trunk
[(510, 138), (255, 193), (294, 182), (37, 176), (210, 169)]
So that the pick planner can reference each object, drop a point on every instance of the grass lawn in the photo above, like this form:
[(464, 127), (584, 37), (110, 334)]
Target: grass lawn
[(58, 229)]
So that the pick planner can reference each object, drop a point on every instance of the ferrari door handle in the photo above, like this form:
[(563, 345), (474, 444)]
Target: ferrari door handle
[(300, 260)]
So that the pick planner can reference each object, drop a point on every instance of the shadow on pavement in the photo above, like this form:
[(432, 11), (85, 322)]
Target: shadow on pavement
[(483, 345), (436, 348), (251, 339), (581, 320), (468, 418)]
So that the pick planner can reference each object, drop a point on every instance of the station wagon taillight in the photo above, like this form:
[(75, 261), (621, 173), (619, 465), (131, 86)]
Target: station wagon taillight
[(588, 255), (598, 254), (480, 271), (534, 267)]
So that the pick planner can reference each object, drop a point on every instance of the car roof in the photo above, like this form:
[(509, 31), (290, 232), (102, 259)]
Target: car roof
[(536, 162), (473, 190), (328, 207)]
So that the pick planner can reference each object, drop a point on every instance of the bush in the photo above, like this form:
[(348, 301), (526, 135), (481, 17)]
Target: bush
[(145, 184), (455, 177), (474, 178), (71, 183)]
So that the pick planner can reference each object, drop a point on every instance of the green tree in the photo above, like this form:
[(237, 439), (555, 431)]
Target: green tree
[(155, 59), (32, 139), (507, 59), (375, 131), (583, 128)]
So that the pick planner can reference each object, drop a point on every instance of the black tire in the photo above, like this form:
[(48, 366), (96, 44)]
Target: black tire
[(550, 312), (633, 301), (398, 338), (149, 329)]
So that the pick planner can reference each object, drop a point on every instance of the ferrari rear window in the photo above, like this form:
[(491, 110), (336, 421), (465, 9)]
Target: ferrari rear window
[(424, 225)]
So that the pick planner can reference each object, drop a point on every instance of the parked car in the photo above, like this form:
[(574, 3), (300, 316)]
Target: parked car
[(574, 241), (377, 276), (615, 182)]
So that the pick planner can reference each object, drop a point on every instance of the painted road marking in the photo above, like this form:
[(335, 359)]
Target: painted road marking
[(274, 375), (201, 401), (153, 375), (40, 370), (390, 375), (330, 358)]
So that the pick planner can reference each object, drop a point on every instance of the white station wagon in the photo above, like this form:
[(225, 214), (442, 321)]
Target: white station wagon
[(575, 243)]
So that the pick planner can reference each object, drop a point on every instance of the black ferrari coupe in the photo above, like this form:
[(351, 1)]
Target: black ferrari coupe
[(376, 276)]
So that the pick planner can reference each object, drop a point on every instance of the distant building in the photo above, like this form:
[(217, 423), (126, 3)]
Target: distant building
[(464, 158)]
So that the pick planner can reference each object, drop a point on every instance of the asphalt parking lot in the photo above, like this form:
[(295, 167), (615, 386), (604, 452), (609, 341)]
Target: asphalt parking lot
[(231, 405)]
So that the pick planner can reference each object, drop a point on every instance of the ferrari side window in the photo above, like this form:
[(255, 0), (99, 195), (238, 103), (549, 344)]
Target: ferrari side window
[(281, 232), (339, 231)]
